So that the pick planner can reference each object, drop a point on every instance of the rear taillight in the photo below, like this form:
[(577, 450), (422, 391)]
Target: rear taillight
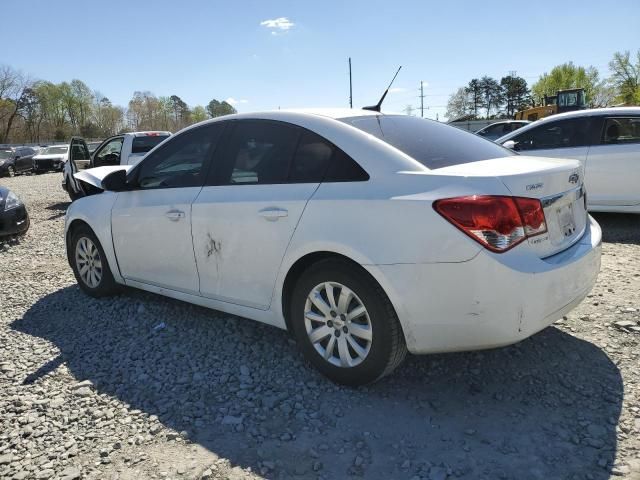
[(497, 222)]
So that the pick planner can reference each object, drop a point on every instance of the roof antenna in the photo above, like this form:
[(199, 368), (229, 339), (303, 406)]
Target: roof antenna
[(376, 108)]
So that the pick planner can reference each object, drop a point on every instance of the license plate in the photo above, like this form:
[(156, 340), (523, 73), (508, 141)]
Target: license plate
[(566, 220)]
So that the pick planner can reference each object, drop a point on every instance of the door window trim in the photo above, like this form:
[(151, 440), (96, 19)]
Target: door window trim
[(214, 178)]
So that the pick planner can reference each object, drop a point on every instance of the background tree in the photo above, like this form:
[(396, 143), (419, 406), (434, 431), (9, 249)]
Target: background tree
[(491, 95), (475, 96), (625, 77), (13, 87), (459, 104), (217, 109), (515, 93), (198, 114)]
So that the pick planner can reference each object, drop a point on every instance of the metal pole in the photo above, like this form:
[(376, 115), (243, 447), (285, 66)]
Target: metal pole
[(350, 86)]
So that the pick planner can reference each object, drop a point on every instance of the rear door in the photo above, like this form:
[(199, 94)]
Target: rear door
[(25, 159), (613, 163), (563, 138), (245, 216)]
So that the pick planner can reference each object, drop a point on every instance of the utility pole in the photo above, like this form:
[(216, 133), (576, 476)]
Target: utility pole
[(421, 99), (350, 86)]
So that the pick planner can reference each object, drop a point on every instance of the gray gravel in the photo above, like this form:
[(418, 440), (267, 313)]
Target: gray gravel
[(140, 386)]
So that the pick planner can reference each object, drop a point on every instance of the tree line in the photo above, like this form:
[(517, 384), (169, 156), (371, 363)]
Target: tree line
[(487, 97), (34, 111)]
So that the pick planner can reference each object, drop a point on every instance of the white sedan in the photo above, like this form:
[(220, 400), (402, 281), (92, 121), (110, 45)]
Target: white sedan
[(607, 143), (364, 234)]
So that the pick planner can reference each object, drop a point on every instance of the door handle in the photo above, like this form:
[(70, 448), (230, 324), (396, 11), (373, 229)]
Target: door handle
[(174, 215), (272, 214)]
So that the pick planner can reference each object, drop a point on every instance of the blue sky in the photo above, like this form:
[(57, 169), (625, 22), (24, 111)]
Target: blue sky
[(230, 49)]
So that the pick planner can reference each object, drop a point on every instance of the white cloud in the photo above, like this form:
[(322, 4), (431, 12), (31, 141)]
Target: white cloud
[(278, 25), (397, 90), (233, 101)]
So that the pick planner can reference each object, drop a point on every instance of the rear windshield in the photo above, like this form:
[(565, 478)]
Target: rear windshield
[(433, 144), (54, 150), (146, 143)]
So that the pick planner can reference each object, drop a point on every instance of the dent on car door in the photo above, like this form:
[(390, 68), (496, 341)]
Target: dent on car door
[(613, 163), (151, 222), (245, 217)]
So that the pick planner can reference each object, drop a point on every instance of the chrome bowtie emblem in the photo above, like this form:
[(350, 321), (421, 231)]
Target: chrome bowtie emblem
[(573, 178)]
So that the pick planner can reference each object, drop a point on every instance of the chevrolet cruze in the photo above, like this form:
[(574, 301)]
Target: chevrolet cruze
[(366, 235)]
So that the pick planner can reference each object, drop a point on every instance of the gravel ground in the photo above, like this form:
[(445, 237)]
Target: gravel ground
[(140, 386)]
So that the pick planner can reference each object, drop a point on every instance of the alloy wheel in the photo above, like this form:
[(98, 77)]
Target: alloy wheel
[(88, 262), (338, 324)]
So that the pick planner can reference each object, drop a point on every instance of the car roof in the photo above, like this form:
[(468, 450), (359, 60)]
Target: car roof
[(592, 111)]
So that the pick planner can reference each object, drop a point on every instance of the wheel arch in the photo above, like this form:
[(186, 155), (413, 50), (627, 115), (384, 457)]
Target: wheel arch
[(306, 261)]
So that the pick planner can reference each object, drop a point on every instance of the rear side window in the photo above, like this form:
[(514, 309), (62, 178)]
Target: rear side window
[(621, 130), (146, 143), (433, 144), (259, 152), (567, 133), (311, 159)]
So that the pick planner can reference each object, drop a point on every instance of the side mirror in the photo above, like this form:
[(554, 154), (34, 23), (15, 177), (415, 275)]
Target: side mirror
[(511, 145), (115, 181)]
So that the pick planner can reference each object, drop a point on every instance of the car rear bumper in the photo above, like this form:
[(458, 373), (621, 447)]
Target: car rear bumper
[(14, 221), (490, 300)]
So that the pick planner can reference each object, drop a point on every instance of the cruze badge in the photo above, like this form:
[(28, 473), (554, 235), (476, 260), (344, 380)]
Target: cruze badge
[(535, 186), (573, 178)]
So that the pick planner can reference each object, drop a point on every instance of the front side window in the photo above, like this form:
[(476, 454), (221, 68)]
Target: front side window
[(433, 144), (259, 152), (180, 162), (621, 130), (568, 133), (109, 154)]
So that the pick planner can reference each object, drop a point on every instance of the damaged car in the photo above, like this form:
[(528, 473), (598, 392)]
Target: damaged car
[(50, 158), (366, 235), (125, 149)]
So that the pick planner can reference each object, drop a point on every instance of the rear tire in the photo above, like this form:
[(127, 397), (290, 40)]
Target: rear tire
[(90, 265), (354, 339)]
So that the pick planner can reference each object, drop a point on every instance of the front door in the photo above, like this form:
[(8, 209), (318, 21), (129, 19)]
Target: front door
[(244, 220), (151, 224)]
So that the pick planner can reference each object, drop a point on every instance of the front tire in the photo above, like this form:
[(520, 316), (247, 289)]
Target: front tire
[(90, 265), (345, 324), (11, 171)]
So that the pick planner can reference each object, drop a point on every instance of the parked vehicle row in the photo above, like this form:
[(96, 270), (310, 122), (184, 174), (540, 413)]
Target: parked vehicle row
[(606, 141), (14, 160), (365, 235)]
